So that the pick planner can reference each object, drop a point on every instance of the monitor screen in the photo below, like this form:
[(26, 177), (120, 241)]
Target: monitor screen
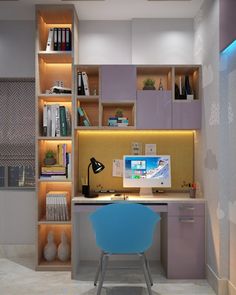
[(146, 171)]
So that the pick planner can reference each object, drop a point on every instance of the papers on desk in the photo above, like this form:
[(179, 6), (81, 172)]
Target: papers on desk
[(117, 168)]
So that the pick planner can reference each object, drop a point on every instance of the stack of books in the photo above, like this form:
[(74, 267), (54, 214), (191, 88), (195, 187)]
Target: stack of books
[(56, 206), (82, 84), (118, 122), (56, 120), (83, 119), (62, 169), (59, 39)]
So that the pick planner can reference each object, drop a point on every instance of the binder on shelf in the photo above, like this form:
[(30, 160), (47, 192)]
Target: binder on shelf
[(85, 83), (49, 46), (59, 39), (68, 39), (63, 39), (80, 85), (55, 39)]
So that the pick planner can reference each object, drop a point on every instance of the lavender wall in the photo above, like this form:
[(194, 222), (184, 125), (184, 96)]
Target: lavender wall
[(227, 22)]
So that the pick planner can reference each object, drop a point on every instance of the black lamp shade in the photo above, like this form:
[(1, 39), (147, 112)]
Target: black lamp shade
[(96, 166)]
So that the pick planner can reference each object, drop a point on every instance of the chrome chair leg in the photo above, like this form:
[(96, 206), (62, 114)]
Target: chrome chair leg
[(148, 283), (148, 269), (104, 266), (99, 269)]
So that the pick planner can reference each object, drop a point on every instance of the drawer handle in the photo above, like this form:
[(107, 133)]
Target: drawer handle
[(186, 207), (186, 220)]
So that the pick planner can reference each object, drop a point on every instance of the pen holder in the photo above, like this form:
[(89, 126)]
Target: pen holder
[(192, 193), (85, 190)]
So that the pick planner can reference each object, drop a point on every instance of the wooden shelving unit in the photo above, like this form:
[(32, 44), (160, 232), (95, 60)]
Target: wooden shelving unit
[(53, 66)]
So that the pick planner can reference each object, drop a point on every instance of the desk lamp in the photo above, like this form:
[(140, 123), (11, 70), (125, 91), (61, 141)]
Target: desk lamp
[(97, 167)]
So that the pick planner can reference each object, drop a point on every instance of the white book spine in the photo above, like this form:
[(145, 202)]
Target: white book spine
[(69, 167), (49, 130), (49, 46), (85, 81), (53, 119)]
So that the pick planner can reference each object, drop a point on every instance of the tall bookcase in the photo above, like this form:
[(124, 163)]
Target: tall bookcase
[(53, 66)]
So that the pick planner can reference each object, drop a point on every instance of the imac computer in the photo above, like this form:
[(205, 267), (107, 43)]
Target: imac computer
[(146, 172)]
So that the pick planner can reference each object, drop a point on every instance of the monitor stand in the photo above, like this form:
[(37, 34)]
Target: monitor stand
[(146, 191)]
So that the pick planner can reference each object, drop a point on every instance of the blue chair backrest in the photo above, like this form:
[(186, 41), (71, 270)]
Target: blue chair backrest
[(124, 228)]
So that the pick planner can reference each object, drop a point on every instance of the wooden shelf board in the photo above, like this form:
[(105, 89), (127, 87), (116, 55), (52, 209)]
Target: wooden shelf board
[(117, 128), (44, 95), (54, 266), (54, 222), (56, 99), (56, 56), (118, 104), (86, 127), (89, 98), (54, 180), (54, 138)]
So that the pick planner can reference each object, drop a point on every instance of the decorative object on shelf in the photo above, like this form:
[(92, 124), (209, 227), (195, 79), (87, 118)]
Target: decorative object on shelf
[(160, 87), (63, 251), (119, 113), (149, 84), (97, 167), (49, 158), (50, 249)]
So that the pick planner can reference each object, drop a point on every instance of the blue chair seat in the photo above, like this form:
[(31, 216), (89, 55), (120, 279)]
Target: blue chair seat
[(123, 228)]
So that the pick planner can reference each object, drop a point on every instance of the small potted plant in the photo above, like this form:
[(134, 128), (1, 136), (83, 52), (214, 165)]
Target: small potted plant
[(119, 113), (49, 158), (149, 84)]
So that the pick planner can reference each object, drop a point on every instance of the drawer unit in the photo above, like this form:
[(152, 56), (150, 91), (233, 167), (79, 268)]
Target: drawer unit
[(186, 209), (183, 244)]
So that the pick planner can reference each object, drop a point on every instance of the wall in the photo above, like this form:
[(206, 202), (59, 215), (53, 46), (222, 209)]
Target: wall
[(105, 42), (215, 142), (17, 217), (17, 49), (140, 41), (228, 142), (162, 41)]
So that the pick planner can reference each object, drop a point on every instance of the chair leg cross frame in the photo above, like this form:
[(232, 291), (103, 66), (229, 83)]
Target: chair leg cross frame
[(101, 270)]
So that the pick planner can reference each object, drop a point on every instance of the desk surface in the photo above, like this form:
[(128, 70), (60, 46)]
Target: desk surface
[(160, 197)]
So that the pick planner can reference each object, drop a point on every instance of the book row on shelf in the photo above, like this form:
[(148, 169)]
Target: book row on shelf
[(56, 120), (56, 206), (82, 84), (118, 122), (83, 119), (59, 39), (61, 169)]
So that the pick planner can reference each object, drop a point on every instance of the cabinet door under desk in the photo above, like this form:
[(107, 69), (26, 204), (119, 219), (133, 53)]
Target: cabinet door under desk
[(183, 244)]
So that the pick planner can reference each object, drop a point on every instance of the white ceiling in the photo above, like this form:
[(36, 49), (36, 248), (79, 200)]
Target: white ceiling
[(106, 10)]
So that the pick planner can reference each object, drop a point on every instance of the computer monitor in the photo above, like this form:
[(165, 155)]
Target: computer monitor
[(146, 172)]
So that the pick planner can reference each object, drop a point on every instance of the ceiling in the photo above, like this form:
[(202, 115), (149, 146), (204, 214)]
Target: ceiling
[(107, 9)]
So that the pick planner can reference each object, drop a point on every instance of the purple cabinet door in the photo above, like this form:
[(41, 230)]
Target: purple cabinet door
[(186, 114), (118, 82), (186, 247), (153, 109)]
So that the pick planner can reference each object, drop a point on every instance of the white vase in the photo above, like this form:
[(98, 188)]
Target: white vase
[(63, 251), (50, 249)]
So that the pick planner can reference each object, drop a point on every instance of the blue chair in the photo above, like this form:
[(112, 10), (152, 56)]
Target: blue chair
[(120, 229)]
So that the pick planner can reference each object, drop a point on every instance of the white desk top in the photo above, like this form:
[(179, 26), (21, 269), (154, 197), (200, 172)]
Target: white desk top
[(159, 197)]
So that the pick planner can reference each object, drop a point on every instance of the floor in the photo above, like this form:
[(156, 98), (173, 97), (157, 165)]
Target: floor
[(17, 277)]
